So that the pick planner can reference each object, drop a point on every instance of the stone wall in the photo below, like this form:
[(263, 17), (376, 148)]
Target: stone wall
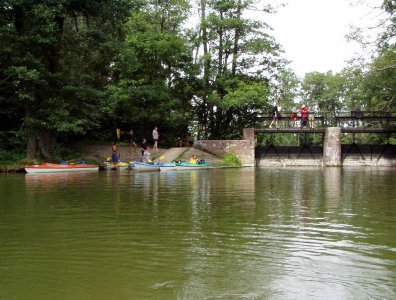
[(243, 149), (369, 155), (269, 156), (351, 155)]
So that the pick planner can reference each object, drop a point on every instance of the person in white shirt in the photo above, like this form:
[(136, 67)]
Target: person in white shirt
[(155, 138)]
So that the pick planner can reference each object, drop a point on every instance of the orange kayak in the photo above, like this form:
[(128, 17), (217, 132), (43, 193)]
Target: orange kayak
[(54, 168)]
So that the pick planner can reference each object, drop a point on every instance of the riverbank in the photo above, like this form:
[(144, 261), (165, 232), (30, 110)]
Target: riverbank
[(98, 154)]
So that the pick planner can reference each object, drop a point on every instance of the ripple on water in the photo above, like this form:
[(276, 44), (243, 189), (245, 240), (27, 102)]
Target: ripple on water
[(198, 235)]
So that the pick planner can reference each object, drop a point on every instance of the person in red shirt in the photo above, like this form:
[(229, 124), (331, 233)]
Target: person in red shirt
[(304, 116)]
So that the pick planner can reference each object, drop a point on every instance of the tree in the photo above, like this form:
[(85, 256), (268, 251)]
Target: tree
[(380, 82), (325, 90), (238, 56), (154, 87), (52, 59), (288, 89)]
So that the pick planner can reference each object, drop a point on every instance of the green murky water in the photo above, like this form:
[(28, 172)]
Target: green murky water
[(216, 234)]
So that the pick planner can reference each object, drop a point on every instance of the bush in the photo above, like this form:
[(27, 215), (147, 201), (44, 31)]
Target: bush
[(9, 156), (230, 159)]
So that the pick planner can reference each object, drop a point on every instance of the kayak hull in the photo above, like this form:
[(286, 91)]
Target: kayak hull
[(167, 167), (117, 166), (145, 167), (189, 166), (57, 168)]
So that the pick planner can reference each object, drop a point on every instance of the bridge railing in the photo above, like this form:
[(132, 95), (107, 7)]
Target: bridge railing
[(354, 118), (357, 118)]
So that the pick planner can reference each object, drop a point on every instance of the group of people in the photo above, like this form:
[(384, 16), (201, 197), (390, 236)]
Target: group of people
[(188, 141), (132, 140), (307, 117)]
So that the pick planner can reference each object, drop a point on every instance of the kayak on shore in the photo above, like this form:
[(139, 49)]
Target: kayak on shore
[(144, 167), (54, 168), (191, 166), (167, 167), (117, 166)]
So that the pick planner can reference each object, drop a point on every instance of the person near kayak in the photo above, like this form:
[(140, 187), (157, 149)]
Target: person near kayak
[(194, 159), (143, 146), (146, 156), (132, 141), (115, 153)]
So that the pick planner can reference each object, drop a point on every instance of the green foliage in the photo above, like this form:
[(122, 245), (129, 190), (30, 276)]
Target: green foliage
[(230, 159), (10, 156), (245, 94), (12, 159), (56, 62), (380, 83), (324, 89), (238, 53), (288, 89), (151, 87)]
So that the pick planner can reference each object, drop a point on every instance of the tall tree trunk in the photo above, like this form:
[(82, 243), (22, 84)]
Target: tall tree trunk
[(236, 41), (45, 144), (220, 54), (31, 146), (206, 74), (31, 140)]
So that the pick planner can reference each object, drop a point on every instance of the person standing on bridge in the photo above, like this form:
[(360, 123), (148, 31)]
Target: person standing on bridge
[(276, 116), (293, 116), (311, 117), (304, 116)]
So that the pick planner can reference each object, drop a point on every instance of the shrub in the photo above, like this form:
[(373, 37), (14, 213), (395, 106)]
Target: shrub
[(230, 159)]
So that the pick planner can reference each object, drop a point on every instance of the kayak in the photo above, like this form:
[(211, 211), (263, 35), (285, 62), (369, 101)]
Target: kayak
[(117, 166), (55, 168), (167, 167), (144, 167), (190, 166)]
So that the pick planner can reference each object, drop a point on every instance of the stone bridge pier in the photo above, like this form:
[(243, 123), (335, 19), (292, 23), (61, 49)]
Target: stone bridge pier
[(332, 147)]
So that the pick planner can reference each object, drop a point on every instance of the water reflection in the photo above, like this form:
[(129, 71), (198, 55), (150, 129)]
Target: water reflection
[(219, 234), (46, 182), (332, 188)]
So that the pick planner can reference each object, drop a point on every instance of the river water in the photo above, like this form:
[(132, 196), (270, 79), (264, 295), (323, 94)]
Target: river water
[(298, 233)]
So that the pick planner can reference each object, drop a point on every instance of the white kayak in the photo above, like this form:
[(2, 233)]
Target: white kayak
[(144, 167)]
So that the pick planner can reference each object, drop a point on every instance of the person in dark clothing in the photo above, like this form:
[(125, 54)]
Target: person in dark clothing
[(276, 116), (132, 141)]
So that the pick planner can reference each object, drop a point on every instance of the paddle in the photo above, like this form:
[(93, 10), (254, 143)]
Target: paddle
[(157, 161)]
